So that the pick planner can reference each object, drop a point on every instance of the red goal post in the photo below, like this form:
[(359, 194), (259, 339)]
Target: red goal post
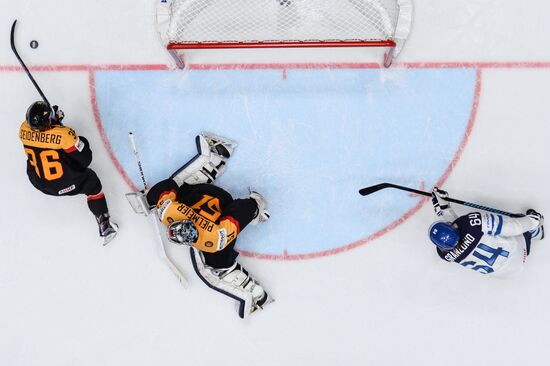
[(185, 25)]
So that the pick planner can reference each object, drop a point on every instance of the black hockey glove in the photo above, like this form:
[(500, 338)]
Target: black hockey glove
[(58, 115)]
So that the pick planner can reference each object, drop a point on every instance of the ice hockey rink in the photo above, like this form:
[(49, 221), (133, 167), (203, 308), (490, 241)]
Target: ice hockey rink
[(356, 279)]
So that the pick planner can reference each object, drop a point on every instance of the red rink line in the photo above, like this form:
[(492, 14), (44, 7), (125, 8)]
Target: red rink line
[(479, 66), (285, 66), (99, 125), (143, 67)]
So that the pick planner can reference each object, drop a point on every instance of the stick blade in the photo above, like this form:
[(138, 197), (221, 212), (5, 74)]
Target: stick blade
[(375, 188), (12, 36)]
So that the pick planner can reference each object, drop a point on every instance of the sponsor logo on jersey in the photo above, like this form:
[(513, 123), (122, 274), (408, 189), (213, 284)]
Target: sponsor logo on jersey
[(68, 189), (163, 208), (222, 238), (79, 145)]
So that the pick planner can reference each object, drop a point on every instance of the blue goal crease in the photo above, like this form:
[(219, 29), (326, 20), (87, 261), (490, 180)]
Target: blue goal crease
[(307, 142)]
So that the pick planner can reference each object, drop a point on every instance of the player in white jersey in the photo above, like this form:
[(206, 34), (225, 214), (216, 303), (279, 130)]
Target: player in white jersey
[(485, 242)]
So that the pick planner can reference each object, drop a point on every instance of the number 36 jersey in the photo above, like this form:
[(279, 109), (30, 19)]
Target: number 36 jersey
[(56, 158), (491, 244)]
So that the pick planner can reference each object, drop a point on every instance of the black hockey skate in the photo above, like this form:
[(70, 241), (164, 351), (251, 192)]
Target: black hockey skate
[(107, 228)]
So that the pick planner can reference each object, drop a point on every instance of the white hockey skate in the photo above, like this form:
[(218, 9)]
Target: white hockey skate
[(240, 277)]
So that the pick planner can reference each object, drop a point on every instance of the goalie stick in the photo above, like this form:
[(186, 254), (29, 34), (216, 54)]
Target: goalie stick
[(12, 42), (158, 225), (377, 187)]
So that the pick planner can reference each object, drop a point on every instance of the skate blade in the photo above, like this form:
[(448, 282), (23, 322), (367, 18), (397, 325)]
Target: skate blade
[(261, 307), (107, 239)]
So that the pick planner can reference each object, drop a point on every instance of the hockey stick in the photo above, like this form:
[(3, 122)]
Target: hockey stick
[(138, 160), (157, 223), (377, 187), (12, 41)]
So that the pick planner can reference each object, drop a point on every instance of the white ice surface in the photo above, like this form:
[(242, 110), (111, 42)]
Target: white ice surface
[(65, 300)]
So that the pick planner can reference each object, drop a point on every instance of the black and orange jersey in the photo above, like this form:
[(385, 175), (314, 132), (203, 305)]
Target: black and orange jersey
[(55, 157), (213, 235), (218, 217)]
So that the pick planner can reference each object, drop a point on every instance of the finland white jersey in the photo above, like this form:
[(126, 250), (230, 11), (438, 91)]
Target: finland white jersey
[(490, 244)]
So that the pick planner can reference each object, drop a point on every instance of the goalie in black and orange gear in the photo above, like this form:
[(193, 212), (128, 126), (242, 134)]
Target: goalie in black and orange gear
[(209, 219), (58, 160)]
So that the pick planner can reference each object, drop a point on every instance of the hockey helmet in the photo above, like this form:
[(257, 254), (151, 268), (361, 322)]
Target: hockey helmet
[(39, 116), (182, 232), (444, 235)]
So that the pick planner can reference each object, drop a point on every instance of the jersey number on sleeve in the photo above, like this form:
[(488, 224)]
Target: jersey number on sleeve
[(49, 159), (490, 260)]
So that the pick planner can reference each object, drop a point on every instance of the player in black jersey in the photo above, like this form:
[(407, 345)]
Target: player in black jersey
[(58, 160)]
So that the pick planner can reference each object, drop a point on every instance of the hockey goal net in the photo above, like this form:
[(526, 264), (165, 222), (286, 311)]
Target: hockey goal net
[(209, 24)]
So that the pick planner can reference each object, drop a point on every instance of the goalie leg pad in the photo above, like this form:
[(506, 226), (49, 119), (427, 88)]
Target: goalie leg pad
[(209, 163), (234, 282)]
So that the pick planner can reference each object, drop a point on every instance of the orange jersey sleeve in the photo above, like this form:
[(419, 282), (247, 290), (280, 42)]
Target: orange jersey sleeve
[(213, 236)]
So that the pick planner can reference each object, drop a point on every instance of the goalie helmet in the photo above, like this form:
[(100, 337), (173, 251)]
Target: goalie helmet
[(444, 235), (182, 232), (39, 116)]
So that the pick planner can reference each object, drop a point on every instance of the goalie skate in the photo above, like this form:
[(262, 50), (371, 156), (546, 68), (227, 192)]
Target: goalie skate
[(268, 300)]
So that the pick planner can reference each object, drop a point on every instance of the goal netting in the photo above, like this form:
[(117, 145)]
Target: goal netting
[(200, 24)]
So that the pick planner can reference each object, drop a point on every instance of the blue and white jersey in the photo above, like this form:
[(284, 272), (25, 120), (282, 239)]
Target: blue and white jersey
[(489, 243)]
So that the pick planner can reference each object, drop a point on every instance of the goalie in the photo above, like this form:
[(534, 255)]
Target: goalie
[(208, 219)]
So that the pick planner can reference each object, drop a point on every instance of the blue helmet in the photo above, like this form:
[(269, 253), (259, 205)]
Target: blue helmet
[(444, 235)]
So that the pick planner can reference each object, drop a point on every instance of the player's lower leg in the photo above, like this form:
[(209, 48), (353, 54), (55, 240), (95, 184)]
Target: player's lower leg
[(107, 228), (233, 281)]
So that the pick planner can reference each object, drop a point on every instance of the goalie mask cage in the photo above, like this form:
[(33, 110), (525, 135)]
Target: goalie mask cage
[(218, 24)]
